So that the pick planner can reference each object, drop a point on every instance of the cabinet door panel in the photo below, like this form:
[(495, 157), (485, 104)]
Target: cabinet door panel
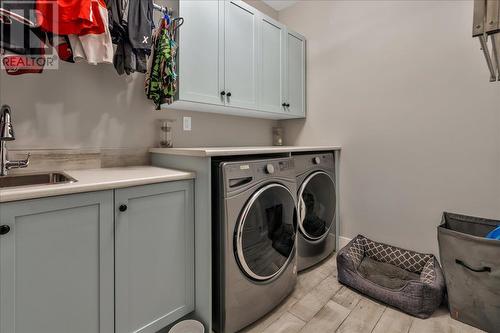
[(154, 256), (56, 265), (201, 52), (272, 67), (241, 41), (296, 64)]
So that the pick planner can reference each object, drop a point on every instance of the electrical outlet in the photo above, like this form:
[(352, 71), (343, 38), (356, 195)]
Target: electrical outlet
[(186, 123)]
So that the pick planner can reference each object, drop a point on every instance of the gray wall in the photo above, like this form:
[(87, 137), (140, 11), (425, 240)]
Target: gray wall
[(404, 89), (84, 106)]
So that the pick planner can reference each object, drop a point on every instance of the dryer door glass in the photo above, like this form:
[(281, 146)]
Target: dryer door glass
[(266, 232), (316, 205)]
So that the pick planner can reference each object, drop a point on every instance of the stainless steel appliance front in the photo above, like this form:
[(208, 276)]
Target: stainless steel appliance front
[(255, 228)]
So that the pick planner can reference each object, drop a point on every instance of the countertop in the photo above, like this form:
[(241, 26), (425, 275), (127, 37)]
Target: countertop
[(97, 180), (235, 151)]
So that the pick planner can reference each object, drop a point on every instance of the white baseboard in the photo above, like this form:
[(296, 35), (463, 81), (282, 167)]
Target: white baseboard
[(343, 241)]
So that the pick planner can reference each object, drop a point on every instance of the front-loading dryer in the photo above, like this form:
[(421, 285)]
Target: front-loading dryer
[(254, 240), (316, 208)]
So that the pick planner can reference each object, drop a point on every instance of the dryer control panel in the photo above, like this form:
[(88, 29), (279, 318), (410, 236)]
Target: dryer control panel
[(307, 162)]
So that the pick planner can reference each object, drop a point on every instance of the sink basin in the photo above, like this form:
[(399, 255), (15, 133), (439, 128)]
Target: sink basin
[(49, 178)]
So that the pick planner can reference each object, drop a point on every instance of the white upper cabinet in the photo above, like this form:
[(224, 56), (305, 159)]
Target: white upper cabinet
[(272, 65), (201, 55), (296, 74), (235, 60), (241, 66)]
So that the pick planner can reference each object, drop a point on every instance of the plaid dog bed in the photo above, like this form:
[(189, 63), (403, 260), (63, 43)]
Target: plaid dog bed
[(410, 281)]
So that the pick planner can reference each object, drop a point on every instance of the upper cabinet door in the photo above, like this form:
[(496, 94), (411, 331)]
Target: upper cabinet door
[(272, 65), (296, 74), (241, 57), (154, 256), (201, 52), (56, 265)]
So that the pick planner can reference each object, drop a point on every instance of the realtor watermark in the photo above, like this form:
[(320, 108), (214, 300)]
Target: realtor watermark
[(26, 46), (19, 62)]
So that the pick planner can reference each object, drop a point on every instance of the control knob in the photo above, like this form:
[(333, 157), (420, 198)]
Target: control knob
[(316, 160), (269, 168)]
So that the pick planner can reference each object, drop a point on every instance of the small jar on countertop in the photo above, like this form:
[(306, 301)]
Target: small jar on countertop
[(277, 136), (166, 133)]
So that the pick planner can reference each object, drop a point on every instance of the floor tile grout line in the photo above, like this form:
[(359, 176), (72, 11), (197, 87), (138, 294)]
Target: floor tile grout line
[(411, 325), (305, 322), (286, 310), (350, 312), (310, 291), (378, 320)]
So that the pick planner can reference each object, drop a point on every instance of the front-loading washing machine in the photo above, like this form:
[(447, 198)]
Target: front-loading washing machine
[(316, 208), (254, 239)]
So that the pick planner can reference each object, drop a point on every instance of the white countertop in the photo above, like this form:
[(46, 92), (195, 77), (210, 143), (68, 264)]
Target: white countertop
[(96, 180), (234, 151)]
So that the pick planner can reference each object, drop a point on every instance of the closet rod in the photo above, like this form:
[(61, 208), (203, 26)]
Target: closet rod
[(162, 9)]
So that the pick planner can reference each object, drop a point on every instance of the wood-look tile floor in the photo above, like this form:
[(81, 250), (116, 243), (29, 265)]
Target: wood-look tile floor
[(321, 304)]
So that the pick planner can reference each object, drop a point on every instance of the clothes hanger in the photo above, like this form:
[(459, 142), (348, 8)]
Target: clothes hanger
[(8, 16), (178, 22)]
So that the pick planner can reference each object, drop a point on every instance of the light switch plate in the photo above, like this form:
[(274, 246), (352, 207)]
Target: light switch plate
[(186, 123)]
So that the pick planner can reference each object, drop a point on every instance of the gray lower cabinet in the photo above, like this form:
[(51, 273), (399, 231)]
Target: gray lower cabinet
[(111, 261), (154, 264), (56, 265)]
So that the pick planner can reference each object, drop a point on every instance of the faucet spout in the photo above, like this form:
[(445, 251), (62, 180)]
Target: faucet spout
[(7, 134), (6, 128)]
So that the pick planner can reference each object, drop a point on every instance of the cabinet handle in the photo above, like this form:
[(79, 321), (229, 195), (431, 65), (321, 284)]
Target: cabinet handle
[(122, 208), (222, 93), (4, 229), (287, 105), (283, 105), (228, 94)]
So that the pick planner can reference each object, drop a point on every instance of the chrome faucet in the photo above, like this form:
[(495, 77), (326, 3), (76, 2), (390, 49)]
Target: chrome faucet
[(7, 134)]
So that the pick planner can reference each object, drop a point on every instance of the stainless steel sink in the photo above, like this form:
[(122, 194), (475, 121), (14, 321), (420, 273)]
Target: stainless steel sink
[(48, 178)]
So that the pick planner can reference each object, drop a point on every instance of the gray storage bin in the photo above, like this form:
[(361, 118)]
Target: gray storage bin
[(471, 265)]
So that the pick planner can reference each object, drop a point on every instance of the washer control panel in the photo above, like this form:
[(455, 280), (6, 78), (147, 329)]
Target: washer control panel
[(243, 173)]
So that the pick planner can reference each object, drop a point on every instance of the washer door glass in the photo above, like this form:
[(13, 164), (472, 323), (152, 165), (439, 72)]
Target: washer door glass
[(316, 205), (266, 232)]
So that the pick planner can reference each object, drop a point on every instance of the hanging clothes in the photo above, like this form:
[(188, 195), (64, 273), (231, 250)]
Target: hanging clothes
[(94, 48), (161, 78), (70, 17), (140, 24), (62, 46), (131, 33), (118, 14)]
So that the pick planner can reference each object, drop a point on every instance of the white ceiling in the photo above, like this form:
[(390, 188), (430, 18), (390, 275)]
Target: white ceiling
[(280, 4)]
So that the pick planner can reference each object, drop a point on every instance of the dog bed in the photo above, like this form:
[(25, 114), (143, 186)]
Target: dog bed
[(410, 281)]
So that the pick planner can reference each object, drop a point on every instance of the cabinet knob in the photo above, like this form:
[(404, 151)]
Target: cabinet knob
[(122, 208), (228, 94), (222, 93), (4, 229)]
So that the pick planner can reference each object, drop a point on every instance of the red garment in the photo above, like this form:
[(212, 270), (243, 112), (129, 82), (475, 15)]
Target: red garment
[(70, 17)]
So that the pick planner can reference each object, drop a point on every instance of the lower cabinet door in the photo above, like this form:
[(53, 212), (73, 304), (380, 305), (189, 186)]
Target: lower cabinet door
[(56, 265), (154, 255)]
